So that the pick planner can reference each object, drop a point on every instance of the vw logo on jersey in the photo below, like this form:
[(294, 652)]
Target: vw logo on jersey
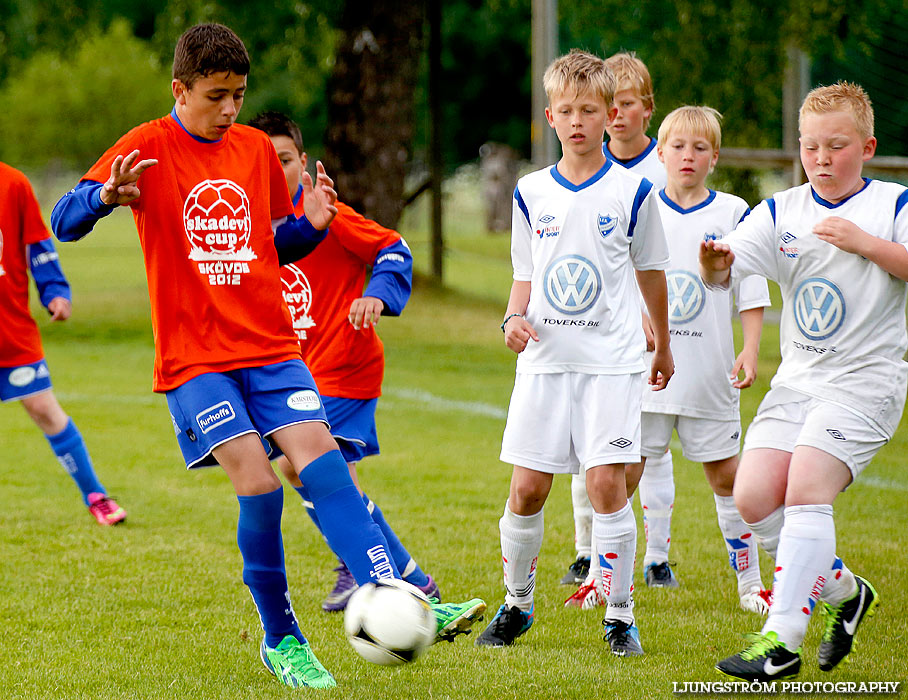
[(607, 224), (572, 284), (819, 308), (686, 296)]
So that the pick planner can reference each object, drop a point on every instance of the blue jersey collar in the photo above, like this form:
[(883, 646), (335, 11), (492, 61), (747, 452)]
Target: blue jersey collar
[(630, 162), (673, 205), (829, 205), (173, 113), (564, 182)]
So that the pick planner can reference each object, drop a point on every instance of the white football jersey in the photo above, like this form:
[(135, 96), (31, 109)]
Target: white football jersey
[(700, 320), (843, 333), (579, 245), (647, 164)]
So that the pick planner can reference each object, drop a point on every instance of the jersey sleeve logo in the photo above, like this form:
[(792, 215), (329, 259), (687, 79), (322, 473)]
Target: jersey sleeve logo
[(572, 284), (686, 296), (2, 271), (607, 224), (298, 294), (218, 223), (819, 308)]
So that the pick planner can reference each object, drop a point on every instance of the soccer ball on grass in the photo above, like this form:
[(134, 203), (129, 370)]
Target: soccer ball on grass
[(389, 622)]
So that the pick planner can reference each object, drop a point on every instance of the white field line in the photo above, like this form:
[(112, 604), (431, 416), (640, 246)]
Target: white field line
[(443, 405), (431, 402)]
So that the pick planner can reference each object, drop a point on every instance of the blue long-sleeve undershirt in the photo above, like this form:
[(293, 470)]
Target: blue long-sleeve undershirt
[(44, 264)]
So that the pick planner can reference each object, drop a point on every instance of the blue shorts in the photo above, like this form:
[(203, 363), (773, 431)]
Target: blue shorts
[(213, 408), (17, 383), (353, 426)]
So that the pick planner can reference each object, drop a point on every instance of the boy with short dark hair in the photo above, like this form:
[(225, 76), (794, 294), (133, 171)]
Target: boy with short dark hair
[(335, 319), (582, 230), (26, 245), (838, 247), (214, 218)]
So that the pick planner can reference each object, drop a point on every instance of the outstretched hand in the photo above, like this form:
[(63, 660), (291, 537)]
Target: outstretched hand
[(121, 187), (716, 259), (319, 199)]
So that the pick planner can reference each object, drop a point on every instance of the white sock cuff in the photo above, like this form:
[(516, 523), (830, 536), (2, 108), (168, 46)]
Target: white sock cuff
[(812, 521), (725, 507), (522, 528), (619, 526), (659, 467), (770, 525)]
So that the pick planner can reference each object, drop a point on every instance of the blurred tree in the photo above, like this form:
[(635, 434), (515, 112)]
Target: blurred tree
[(65, 109), (486, 76), (729, 55), (873, 52), (370, 104)]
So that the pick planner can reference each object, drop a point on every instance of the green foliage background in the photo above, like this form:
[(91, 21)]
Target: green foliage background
[(73, 74)]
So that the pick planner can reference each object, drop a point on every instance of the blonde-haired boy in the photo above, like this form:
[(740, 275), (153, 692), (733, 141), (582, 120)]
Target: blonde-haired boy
[(837, 248), (631, 148), (579, 228), (628, 143), (702, 402)]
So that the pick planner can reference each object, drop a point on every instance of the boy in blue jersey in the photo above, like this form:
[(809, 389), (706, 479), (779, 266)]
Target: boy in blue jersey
[(26, 246), (335, 318), (215, 220), (838, 248), (583, 230)]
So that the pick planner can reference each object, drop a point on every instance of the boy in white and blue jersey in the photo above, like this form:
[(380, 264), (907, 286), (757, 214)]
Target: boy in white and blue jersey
[(837, 248), (582, 231), (702, 402), (628, 144), (630, 147)]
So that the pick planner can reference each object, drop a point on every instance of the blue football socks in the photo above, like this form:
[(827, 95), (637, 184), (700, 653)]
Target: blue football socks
[(345, 522), (258, 535), (407, 566), (72, 453)]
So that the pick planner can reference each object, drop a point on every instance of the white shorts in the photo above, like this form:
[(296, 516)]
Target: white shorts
[(702, 439), (788, 418), (558, 423)]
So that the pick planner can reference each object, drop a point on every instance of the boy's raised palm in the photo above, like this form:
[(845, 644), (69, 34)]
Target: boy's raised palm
[(319, 199), (121, 188)]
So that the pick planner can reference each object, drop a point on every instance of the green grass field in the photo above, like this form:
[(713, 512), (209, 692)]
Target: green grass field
[(157, 609)]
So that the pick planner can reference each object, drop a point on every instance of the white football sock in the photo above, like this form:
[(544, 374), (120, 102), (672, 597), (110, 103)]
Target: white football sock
[(657, 499), (840, 584), (740, 543), (616, 542), (521, 540), (767, 531), (583, 515), (806, 547)]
